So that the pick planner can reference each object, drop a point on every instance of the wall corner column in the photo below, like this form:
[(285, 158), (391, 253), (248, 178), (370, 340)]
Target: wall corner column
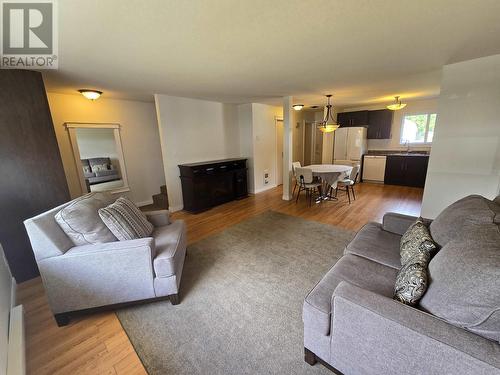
[(287, 147)]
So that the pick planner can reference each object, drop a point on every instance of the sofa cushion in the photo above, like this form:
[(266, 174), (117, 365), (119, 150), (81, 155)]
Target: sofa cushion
[(374, 243), (99, 164), (356, 270), (125, 220), (457, 218), (417, 236), (464, 284), (107, 172), (168, 240), (81, 222), (85, 166), (412, 278)]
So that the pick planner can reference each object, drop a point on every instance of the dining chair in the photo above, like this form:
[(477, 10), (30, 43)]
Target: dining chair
[(295, 165), (348, 183), (307, 183)]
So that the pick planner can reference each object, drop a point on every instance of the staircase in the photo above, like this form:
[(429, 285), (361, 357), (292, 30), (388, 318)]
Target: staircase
[(160, 201)]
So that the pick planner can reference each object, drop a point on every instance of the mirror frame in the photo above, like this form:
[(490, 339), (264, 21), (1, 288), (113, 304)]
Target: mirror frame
[(71, 127)]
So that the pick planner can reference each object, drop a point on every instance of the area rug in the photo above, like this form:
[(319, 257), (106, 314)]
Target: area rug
[(241, 301)]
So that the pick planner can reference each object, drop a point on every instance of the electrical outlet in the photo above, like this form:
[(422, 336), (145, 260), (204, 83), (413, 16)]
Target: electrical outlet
[(266, 177)]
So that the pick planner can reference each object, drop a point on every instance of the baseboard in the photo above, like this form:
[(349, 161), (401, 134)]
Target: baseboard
[(144, 203), (175, 208), (16, 354), (261, 190)]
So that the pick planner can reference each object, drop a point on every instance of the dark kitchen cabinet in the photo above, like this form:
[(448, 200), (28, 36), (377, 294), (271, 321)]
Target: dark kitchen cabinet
[(406, 170), (208, 184), (349, 119), (380, 124)]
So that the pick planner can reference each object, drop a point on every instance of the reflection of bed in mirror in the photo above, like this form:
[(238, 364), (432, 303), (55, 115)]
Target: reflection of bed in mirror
[(97, 147)]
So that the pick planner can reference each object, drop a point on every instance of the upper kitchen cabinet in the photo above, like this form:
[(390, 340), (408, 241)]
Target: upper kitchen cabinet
[(380, 124), (356, 118)]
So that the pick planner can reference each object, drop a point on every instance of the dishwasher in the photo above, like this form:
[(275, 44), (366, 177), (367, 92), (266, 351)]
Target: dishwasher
[(374, 168)]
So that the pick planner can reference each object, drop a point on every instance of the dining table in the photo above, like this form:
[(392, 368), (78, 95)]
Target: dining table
[(329, 174)]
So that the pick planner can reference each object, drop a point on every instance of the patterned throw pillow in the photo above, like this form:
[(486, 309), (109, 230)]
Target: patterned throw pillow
[(415, 237), (125, 220), (412, 278), (99, 167)]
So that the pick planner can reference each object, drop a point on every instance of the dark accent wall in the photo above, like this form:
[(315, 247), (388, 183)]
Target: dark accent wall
[(32, 178)]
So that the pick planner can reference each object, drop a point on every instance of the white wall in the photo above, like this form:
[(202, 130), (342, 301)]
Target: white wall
[(139, 135), (257, 126), (264, 144), (412, 107), (245, 125), (465, 156), (97, 143), (194, 130)]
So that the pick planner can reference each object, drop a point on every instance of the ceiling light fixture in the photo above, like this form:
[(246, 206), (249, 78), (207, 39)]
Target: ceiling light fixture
[(298, 107), (90, 94), (397, 105), (328, 124)]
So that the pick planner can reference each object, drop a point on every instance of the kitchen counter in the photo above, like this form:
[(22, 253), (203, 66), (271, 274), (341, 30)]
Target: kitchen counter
[(396, 152), (408, 154)]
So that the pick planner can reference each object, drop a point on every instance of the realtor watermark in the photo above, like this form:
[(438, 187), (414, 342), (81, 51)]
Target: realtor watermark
[(29, 34)]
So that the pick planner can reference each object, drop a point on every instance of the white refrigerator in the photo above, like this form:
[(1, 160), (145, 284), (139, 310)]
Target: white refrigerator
[(349, 145)]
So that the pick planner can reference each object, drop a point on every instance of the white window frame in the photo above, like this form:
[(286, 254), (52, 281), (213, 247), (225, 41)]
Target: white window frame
[(425, 143)]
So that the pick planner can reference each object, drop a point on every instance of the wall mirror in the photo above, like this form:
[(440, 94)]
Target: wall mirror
[(98, 154)]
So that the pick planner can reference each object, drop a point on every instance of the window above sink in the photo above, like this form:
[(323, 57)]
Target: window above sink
[(418, 129)]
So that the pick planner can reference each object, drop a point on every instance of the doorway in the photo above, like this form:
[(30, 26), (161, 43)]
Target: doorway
[(279, 152)]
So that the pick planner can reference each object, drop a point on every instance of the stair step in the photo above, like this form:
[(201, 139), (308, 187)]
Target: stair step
[(163, 189), (160, 201)]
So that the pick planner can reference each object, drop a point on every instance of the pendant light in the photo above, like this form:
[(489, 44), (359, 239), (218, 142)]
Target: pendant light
[(328, 124), (90, 94), (397, 105)]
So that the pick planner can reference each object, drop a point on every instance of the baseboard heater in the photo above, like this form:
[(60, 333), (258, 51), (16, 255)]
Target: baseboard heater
[(12, 334), (16, 354)]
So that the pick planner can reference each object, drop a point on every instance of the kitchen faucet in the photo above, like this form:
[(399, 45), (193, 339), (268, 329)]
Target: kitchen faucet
[(407, 144)]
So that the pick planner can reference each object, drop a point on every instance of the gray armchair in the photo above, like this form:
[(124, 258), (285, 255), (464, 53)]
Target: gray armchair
[(82, 278)]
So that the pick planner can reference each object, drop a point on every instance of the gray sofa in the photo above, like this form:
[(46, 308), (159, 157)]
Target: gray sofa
[(353, 326), (99, 170), (90, 277)]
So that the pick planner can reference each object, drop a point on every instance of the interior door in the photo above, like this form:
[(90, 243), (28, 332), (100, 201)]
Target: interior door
[(279, 152), (318, 146), (308, 143)]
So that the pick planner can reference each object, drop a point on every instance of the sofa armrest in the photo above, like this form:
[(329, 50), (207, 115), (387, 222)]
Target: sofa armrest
[(158, 218), (397, 223), (376, 334), (98, 275)]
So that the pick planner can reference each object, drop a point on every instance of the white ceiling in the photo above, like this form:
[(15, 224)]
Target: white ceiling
[(362, 51)]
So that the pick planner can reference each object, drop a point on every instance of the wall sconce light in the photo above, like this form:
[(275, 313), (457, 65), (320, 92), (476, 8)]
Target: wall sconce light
[(90, 94)]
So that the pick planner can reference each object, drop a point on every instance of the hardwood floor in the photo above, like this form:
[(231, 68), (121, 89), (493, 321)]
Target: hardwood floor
[(97, 344)]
